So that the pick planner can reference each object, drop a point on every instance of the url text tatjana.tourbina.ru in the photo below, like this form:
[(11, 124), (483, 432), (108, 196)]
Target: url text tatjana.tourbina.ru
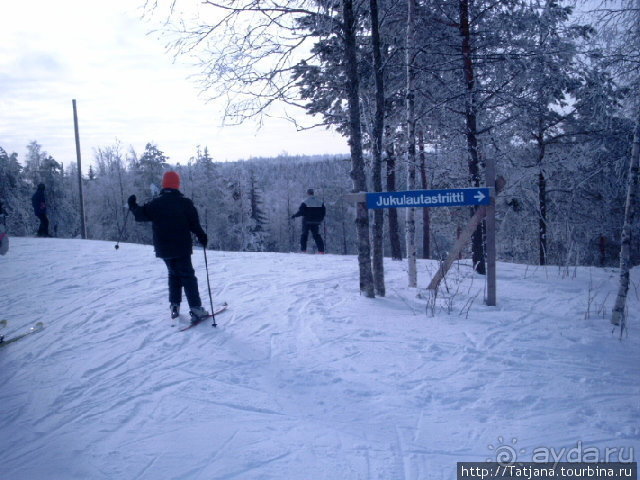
[(536, 471)]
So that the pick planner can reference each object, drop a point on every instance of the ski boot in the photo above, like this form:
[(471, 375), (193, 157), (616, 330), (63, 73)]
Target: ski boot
[(198, 314)]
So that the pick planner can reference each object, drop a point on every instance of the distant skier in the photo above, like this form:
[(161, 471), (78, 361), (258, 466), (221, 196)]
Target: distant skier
[(312, 211), (4, 239), (39, 203), (174, 218)]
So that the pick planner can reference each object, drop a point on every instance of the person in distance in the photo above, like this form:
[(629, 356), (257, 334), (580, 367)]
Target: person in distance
[(312, 211), (39, 203)]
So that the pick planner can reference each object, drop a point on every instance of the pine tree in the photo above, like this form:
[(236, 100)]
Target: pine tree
[(257, 239), (14, 194), (151, 165)]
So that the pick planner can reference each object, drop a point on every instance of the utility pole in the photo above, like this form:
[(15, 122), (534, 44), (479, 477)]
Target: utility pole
[(83, 227)]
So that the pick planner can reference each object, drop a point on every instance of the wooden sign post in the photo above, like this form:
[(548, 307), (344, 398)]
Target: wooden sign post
[(484, 198)]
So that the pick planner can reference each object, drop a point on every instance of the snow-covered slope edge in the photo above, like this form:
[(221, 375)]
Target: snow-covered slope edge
[(303, 378)]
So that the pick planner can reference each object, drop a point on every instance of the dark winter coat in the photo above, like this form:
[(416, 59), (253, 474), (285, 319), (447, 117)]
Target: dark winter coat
[(312, 211), (38, 201), (174, 218)]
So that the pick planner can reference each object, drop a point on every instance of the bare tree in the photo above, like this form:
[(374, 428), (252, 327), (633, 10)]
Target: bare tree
[(618, 314), (355, 142), (245, 50), (471, 131), (249, 53)]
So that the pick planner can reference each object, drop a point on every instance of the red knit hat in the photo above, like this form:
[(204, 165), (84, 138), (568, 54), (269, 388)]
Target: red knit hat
[(171, 180)]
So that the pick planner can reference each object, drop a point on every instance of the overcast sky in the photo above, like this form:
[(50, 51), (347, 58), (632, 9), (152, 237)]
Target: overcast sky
[(127, 88)]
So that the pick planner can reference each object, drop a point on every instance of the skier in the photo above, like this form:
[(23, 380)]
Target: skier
[(4, 239), (312, 212), (173, 217), (40, 209)]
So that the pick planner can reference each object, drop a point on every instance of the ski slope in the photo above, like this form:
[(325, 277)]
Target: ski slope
[(303, 378)]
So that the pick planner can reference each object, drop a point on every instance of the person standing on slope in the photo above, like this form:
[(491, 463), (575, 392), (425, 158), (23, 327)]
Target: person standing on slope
[(173, 218), (40, 209), (312, 211), (4, 239)]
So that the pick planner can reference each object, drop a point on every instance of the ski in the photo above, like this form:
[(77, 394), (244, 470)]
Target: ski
[(218, 310), (36, 328)]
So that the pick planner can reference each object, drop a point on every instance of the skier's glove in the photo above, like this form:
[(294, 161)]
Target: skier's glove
[(203, 240), (132, 202)]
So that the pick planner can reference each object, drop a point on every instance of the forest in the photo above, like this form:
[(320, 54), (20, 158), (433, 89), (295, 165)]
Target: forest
[(428, 95)]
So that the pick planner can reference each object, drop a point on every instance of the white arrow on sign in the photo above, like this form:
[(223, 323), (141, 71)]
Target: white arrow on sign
[(479, 196)]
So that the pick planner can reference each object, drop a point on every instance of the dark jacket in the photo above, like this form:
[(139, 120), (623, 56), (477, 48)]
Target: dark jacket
[(38, 201), (312, 211), (174, 218)]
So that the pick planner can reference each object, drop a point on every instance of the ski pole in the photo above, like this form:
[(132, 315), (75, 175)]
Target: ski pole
[(124, 227), (206, 266)]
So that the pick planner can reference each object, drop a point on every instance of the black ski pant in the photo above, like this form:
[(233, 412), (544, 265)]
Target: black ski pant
[(314, 229), (43, 230), (182, 275)]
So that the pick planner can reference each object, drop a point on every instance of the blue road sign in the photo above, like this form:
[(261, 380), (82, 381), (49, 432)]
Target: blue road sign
[(454, 197)]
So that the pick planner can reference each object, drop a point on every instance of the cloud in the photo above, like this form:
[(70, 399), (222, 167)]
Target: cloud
[(127, 87), (39, 64)]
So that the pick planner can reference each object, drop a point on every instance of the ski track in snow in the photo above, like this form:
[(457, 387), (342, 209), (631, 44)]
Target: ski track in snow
[(303, 378)]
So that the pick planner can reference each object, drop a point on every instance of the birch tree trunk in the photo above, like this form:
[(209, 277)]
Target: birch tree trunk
[(378, 131), (411, 144), (355, 143), (618, 314)]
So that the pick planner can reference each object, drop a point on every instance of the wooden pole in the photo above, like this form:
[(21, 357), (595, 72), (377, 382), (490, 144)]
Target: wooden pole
[(463, 239), (83, 227), (465, 236)]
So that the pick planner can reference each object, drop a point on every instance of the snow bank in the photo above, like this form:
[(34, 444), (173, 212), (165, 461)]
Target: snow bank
[(303, 378)]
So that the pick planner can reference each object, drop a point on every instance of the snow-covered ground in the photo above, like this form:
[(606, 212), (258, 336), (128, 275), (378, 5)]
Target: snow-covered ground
[(303, 378)]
